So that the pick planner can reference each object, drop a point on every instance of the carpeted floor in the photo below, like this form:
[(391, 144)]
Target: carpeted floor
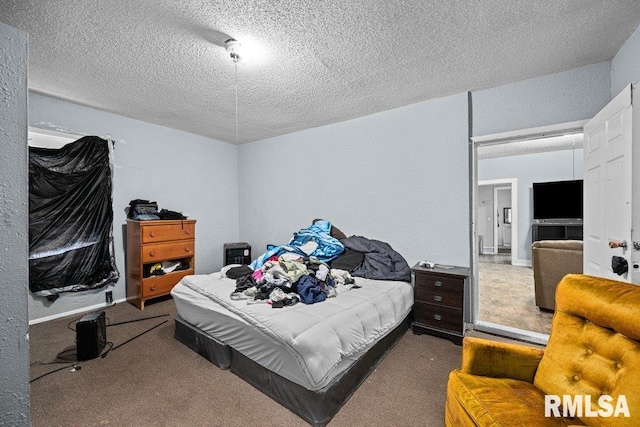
[(155, 380)]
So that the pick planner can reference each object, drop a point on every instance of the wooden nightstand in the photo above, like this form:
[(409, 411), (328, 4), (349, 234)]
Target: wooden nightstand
[(439, 295), (152, 242)]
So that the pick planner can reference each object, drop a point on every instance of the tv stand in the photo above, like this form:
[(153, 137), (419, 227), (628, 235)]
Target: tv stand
[(556, 231)]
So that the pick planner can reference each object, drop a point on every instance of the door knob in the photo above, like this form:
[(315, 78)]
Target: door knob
[(616, 244)]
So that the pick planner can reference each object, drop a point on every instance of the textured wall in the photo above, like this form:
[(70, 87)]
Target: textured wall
[(401, 176), (557, 98), (182, 172), (625, 66), (14, 344)]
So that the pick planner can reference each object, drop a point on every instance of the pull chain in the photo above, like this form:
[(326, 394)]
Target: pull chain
[(236, 65)]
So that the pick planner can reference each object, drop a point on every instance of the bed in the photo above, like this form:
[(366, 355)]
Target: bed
[(308, 357)]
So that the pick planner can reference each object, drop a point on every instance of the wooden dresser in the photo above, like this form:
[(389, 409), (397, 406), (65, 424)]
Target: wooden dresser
[(439, 295), (153, 242)]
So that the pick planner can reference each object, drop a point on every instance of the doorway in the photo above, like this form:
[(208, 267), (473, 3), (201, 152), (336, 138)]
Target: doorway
[(503, 297), (497, 207), (502, 224)]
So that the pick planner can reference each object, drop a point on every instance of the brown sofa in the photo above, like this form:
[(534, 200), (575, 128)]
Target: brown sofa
[(551, 260), (593, 350)]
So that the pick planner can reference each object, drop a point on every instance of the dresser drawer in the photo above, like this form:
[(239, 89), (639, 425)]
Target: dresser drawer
[(166, 251), (162, 285), (438, 317), (439, 297), (151, 233), (436, 282)]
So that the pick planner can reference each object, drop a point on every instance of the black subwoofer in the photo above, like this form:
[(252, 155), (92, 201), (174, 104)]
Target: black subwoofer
[(91, 336)]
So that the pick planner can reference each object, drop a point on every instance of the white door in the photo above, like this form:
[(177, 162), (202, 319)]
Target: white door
[(506, 229), (608, 200)]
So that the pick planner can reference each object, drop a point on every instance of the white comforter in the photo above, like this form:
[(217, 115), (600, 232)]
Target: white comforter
[(321, 335)]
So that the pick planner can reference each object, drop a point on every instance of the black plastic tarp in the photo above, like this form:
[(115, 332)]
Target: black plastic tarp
[(71, 217)]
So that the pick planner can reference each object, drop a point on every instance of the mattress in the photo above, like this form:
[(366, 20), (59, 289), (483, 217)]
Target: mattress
[(310, 345)]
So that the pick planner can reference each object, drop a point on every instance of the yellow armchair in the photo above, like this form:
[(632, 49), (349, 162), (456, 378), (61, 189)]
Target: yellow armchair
[(588, 374)]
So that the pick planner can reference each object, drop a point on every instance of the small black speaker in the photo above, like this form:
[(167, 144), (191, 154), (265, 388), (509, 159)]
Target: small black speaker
[(91, 336)]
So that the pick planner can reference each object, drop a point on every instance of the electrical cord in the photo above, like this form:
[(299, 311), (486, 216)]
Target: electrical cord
[(64, 354), (47, 363), (75, 365), (103, 355), (61, 355), (137, 320), (110, 344)]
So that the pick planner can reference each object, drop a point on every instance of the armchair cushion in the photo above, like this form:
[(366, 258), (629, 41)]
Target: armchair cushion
[(597, 350), (497, 359), (593, 350), (474, 400)]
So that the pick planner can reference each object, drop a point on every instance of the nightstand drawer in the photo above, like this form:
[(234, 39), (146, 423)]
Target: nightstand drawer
[(438, 317), (166, 251), (441, 283), (439, 297), (166, 232)]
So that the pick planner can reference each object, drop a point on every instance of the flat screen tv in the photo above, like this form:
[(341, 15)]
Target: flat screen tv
[(557, 200)]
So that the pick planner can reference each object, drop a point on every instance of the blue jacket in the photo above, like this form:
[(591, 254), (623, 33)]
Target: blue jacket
[(328, 247)]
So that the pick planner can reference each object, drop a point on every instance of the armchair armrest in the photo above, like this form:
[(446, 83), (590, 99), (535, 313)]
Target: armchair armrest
[(500, 360)]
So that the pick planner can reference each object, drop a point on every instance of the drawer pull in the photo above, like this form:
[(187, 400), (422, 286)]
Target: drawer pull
[(152, 234), (153, 288), (187, 231), (152, 253), (437, 298), (437, 317), (187, 249), (437, 283)]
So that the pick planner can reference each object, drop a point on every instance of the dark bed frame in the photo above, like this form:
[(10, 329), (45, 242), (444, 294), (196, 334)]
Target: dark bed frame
[(315, 407)]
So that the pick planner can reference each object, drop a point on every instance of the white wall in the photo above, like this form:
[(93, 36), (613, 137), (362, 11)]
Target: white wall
[(400, 176), (182, 172), (625, 66), (14, 238)]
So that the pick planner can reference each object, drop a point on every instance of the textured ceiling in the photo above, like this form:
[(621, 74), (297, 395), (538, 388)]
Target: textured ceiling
[(314, 63)]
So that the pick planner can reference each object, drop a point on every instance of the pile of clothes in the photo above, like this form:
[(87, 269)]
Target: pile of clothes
[(319, 262), (287, 279)]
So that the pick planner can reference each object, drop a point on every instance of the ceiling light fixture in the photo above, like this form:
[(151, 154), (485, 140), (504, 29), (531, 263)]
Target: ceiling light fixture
[(233, 47)]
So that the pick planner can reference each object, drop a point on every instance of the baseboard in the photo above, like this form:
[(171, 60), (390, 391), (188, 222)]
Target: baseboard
[(522, 263), (72, 312)]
